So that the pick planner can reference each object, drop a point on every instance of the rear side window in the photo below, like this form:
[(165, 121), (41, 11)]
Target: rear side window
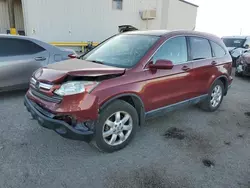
[(200, 48), (13, 47), (218, 51)]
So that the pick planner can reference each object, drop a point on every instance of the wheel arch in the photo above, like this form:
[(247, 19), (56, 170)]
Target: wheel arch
[(132, 99), (224, 80)]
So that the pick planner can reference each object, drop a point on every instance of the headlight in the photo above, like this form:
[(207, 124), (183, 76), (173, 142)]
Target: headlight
[(75, 87)]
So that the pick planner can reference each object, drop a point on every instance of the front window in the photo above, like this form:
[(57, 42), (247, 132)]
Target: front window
[(174, 49), (235, 43), (123, 51)]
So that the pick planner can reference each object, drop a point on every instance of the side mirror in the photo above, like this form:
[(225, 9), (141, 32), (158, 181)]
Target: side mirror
[(162, 64)]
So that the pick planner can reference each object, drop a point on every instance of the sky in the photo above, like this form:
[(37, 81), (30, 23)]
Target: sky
[(223, 17)]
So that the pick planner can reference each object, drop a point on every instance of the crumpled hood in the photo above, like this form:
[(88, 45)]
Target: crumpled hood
[(55, 72)]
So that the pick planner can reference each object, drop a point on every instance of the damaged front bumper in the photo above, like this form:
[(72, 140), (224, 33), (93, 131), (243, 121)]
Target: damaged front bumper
[(45, 119), (243, 69)]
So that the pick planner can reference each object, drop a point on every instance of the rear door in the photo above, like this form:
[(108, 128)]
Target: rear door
[(167, 87), (203, 63), (19, 58)]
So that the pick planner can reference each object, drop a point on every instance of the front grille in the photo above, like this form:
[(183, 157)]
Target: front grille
[(54, 99)]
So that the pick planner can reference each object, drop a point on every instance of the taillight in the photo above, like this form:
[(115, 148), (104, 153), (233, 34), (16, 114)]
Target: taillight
[(72, 56)]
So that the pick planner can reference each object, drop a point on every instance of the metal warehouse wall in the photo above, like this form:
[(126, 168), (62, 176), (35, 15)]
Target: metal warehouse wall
[(18, 15), (164, 14), (181, 15), (84, 20)]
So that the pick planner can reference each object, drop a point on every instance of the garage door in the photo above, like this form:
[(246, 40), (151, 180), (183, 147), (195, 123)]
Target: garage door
[(4, 17)]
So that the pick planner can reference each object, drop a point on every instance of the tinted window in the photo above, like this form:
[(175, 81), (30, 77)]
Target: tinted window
[(218, 50), (122, 50), (174, 49), (12, 47), (234, 42)]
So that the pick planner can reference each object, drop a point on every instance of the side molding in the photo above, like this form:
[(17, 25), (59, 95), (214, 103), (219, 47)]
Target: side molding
[(172, 107)]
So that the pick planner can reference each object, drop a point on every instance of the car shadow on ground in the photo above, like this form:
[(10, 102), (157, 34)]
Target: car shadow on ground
[(12, 94), (244, 78)]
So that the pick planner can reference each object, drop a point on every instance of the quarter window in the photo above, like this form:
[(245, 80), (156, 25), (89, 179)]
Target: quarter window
[(247, 42), (217, 50), (14, 47), (174, 49), (200, 48)]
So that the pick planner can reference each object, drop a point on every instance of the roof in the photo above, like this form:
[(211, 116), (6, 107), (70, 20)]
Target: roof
[(189, 3), (236, 37), (171, 32), (149, 32)]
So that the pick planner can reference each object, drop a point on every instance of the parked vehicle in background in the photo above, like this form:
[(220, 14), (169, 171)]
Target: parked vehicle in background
[(126, 28), (243, 65), (236, 45), (106, 94), (20, 56)]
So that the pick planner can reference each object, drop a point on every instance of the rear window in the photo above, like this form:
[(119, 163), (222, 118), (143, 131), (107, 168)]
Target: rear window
[(14, 47), (234, 42), (200, 48)]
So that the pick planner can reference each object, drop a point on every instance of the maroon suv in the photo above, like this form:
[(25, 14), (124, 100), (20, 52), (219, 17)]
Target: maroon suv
[(106, 94)]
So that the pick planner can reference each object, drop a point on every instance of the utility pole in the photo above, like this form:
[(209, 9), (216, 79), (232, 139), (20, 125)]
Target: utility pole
[(240, 31), (11, 17)]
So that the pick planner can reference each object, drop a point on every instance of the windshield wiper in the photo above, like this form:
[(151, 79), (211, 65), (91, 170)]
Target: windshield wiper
[(96, 61), (198, 58)]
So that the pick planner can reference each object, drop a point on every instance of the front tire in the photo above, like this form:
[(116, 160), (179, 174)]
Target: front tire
[(215, 97), (116, 126)]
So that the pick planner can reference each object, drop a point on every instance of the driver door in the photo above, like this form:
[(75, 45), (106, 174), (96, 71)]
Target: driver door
[(165, 88)]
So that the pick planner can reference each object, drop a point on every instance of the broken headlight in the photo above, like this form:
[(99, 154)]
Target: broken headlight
[(75, 87)]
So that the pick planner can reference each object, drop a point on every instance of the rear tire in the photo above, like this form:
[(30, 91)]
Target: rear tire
[(215, 97), (116, 126)]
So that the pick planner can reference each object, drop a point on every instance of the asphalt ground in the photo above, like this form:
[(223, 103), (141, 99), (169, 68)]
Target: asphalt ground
[(186, 148)]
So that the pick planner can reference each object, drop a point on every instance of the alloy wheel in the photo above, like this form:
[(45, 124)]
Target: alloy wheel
[(117, 128), (216, 96)]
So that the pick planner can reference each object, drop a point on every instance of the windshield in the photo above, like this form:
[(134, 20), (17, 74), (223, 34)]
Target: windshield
[(236, 43), (123, 51)]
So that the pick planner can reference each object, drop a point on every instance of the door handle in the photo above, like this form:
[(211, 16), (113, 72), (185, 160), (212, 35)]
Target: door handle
[(185, 68), (40, 58), (214, 63)]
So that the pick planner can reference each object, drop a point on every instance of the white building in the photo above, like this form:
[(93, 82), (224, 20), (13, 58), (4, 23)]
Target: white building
[(95, 20)]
